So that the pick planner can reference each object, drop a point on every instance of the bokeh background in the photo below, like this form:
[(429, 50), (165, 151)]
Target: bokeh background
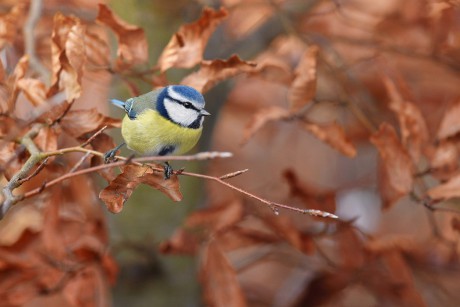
[(394, 62)]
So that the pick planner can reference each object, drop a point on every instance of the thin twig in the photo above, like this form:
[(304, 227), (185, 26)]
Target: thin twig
[(35, 157), (93, 136), (30, 25), (79, 163), (35, 173), (234, 174)]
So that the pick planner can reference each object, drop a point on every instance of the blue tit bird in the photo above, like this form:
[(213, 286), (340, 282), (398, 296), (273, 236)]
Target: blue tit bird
[(162, 122)]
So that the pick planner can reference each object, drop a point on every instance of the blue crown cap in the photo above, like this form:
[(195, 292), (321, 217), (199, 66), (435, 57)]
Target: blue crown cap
[(189, 92)]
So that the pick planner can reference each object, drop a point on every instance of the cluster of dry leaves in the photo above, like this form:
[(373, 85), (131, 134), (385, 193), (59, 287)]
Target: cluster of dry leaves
[(355, 76)]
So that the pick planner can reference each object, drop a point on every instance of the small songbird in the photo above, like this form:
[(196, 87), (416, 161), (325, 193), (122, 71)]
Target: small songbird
[(162, 122)]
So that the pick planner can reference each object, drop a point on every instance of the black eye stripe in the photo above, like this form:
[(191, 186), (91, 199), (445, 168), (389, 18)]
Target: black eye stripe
[(186, 104)]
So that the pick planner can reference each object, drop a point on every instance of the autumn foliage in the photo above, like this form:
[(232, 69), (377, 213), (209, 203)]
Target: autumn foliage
[(337, 108)]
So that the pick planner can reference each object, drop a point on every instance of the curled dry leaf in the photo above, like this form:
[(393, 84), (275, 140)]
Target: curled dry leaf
[(103, 143), (47, 138), (303, 88), (132, 44), (11, 22), (217, 218), (450, 125), (34, 90), (18, 74), (263, 116), (414, 131), (213, 72), (67, 56), (79, 122), (214, 219), (121, 188), (97, 51), (312, 197), (333, 135), (182, 242), (247, 15), (273, 68), (219, 279), (444, 160), (396, 165), (449, 189), (186, 47)]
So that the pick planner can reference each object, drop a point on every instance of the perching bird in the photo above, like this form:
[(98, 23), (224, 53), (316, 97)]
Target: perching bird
[(162, 122)]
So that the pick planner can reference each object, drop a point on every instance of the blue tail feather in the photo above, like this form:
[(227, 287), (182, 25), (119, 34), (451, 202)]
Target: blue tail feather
[(118, 103)]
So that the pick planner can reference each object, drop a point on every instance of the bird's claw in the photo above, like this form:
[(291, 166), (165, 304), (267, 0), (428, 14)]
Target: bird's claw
[(168, 171), (109, 156)]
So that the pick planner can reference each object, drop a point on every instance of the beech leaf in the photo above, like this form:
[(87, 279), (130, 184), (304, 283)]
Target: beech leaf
[(120, 189), (303, 88), (132, 44), (396, 164), (262, 117), (414, 131), (67, 56), (34, 90), (186, 47), (213, 72), (79, 122), (333, 135), (450, 125), (446, 190), (219, 279)]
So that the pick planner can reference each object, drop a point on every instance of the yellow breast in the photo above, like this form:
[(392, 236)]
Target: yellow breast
[(150, 132)]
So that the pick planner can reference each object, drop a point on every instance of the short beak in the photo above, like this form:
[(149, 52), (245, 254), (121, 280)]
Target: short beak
[(205, 113)]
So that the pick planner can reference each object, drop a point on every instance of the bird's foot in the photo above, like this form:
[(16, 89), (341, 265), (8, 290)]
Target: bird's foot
[(168, 170), (109, 156)]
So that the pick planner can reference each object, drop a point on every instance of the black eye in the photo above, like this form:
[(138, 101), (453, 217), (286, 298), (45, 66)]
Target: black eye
[(188, 105)]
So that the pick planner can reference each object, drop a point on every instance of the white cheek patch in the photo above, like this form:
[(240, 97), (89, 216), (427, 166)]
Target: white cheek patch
[(180, 114)]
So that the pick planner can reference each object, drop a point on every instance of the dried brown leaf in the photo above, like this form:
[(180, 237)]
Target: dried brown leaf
[(34, 90), (121, 188), (182, 242), (97, 51), (449, 189), (13, 227), (444, 160), (272, 68), (397, 166), (333, 135), (450, 125), (79, 122), (455, 224), (67, 56), (103, 143), (219, 279), (54, 112), (312, 197), (186, 47), (262, 117), (414, 131), (19, 72), (11, 23), (132, 44), (213, 72), (47, 138), (247, 15), (217, 218), (286, 229), (303, 88)]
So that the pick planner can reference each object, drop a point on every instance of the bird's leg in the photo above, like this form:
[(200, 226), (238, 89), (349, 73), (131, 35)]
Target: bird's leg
[(168, 170), (109, 155)]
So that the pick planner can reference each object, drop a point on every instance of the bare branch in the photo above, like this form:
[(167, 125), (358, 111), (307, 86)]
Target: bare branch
[(29, 38)]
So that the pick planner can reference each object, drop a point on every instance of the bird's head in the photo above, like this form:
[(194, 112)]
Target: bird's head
[(182, 105)]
